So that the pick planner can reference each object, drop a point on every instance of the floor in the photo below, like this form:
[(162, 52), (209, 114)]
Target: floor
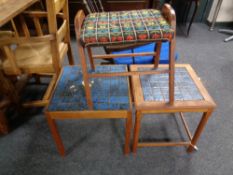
[(96, 147)]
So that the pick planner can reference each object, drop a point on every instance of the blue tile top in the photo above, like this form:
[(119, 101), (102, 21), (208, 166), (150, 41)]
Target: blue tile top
[(155, 87), (107, 93)]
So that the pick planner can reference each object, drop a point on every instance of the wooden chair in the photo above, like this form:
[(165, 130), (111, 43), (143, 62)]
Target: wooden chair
[(38, 49), (162, 25), (96, 6)]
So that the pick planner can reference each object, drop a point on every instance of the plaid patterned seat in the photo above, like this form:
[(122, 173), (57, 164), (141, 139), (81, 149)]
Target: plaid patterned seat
[(125, 27)]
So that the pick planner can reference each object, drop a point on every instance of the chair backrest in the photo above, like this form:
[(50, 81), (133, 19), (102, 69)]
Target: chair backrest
[(93, 6)]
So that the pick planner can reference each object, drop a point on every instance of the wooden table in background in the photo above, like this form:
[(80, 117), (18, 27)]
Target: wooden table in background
[(11, 8)]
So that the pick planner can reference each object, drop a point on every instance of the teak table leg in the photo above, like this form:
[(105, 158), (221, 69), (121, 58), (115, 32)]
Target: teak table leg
[(55, 134), (128, 133), (171, 70), (199, 129), (136, 131)]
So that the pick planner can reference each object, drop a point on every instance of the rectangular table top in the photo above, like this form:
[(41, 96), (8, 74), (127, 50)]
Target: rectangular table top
[(152, 91), (11, 8), (107, 93)]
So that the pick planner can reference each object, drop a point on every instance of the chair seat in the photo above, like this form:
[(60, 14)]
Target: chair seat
[(34, 58), (125, 27)]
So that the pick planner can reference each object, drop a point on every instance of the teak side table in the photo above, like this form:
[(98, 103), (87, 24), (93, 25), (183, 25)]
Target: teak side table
[(151, 97), (111, 100)]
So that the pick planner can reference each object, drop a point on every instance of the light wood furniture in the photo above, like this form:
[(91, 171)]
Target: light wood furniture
[(11, 8), (150, 97), (168, 14), (8, 10), (41, 49), (68, 101)]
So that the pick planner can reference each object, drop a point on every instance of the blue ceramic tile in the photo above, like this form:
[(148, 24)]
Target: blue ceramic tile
[(107, 93), (155, 87)]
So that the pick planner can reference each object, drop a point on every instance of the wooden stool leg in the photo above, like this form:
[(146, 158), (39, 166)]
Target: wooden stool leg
[(91, 58), (70, 54), (157, 50), (199, 129), (136, 131), (55, 134), (128, 133), (171, 70)]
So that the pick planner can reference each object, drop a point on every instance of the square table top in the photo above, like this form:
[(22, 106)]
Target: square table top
[(11, 8), (107, 93), (152, 91)]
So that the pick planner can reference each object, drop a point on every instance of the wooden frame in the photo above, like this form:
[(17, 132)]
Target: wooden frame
[(89, 114), (169, 15), (207, 106)]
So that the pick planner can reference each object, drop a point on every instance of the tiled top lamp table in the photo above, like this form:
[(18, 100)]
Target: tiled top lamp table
[(111, 99), (151, 97)]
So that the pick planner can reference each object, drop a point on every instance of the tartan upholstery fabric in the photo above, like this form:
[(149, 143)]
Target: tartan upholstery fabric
[(125, 27)]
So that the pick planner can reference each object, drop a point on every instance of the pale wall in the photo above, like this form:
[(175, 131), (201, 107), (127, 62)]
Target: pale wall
[(225, 13)]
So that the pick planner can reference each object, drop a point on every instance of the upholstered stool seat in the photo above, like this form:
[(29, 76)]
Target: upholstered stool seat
[(125, 27)]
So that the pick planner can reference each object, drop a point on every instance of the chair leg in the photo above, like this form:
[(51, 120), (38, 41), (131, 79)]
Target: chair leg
[(194, 14), (136, 131), (128, 133), (198, 131), (85, 76), (56, 135), (89, 51), (70, 54), (187, 11), (157, 50), (228, 32), (171, 70)]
